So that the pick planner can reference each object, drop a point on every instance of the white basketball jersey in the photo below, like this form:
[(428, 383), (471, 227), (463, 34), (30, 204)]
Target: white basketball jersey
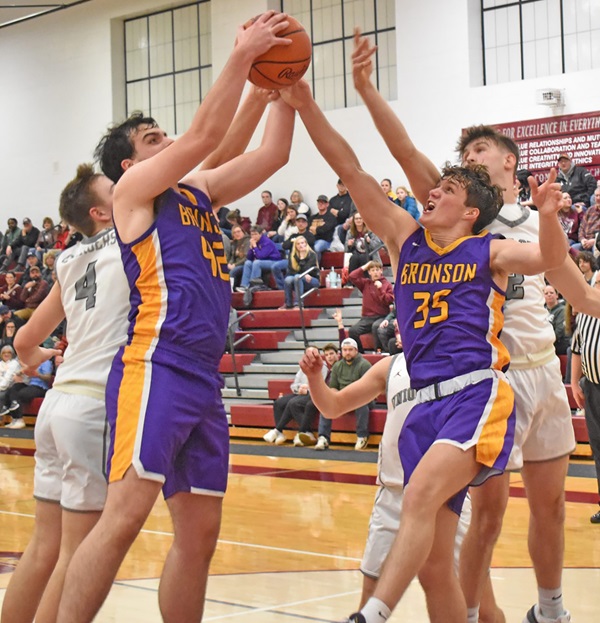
[(400, 399), (526, 328), (95, 298)]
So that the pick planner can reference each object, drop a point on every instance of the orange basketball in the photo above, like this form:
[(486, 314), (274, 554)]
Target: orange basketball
[(282, 66)]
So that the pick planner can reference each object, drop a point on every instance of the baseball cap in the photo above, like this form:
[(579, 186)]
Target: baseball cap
[(350, 342), (26, 221), (323, 198), (30, 252), (4, 309), (302, 216), (563, 155)]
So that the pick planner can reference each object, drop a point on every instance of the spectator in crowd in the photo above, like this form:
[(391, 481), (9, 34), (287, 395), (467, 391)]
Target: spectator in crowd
[(575, 180), (288, 225), (11, 236), (351, 367), (523, 188), (279, 269), (297, 198), (587, 265), (262, 254), (10, 292), (8, 333), (33, 293), (62, 235), (224, 224), (9, 368), (238, 251), (556, 317), (7, 315), (378, 295), (49, 263), (235, 218), (585, 383), (267, 212), (298, 406), (46, 238), (405, 199), (341, 205), (25, 389), (282, 206), (362, 243), (386, 185), (389, 334), (301, 259), (570, 219), (32, 260), (590, 226), (323, 225), (22, 245)]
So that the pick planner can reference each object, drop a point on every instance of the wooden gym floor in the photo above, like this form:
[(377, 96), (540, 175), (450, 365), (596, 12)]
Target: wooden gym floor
[(292, 538)]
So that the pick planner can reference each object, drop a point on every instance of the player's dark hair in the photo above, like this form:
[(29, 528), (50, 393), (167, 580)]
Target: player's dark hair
[(491, 134), (116, 145), (76, 199), (481, 193)]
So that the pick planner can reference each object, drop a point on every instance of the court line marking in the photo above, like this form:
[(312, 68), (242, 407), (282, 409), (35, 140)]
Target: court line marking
[(225, 542)]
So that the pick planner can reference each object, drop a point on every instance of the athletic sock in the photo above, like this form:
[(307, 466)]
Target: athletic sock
[(375, 611), (550, 602), (473, 615)]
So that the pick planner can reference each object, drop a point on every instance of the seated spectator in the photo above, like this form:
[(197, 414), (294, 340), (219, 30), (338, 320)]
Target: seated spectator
[(386, 185), (301, 259), (378, 295), (32, 260), (587, 265), (49, 263), (523, 188), (47, 237), (10, 292), (261, 255), (267, 212), (279, 269), (224, 224), (288, 226), (297, 199), (11, 235), (33, 293), (9, 368), (62, 236), (234, 218), (282, 206), (389, 334), (589, 227), (240, 243), (570, 219), (322, 226), (341, 205), (7, 315), (575, 180), (8, 333), (18, 250), (25, 389), (556, 317), (405, 199), (351, 367), (361, 242)]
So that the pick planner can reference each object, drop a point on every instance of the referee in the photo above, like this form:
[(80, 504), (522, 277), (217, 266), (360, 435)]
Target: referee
[(585, 364)]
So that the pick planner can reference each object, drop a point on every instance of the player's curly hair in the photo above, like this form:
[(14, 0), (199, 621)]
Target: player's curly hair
[(116, 145), (76, 199), (481, 193)]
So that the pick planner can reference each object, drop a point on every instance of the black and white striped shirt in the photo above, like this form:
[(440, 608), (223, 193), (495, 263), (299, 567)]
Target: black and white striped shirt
[(586, 343)]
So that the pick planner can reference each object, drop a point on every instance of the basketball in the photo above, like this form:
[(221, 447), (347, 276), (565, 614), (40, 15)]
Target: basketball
[(282, 66)]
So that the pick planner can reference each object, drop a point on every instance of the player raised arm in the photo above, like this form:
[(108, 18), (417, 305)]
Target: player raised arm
[(333, 403), (510, 256), (422, 174), (243, 174), (142, 183), (393, 226)]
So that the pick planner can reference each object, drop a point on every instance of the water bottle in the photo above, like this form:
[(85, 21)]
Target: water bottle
[(331, 279)]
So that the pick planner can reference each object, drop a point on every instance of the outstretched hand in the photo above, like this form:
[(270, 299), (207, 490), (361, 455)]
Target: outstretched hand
[(362, 60), (548, 197), (311, 362), (298, 95), (260, 34)]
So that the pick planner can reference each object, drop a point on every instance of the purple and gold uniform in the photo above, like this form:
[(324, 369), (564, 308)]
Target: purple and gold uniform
[(450, 317), (163, 395)]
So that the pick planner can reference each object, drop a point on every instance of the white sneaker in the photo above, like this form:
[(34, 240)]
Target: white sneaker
[(535, 616), (297, 441), (271, 436), (16, 424), (322, 443), (307, 439), (361, 443), (280, 439)]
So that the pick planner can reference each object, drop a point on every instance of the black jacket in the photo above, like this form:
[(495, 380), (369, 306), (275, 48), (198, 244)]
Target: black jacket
[(579, 183)]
